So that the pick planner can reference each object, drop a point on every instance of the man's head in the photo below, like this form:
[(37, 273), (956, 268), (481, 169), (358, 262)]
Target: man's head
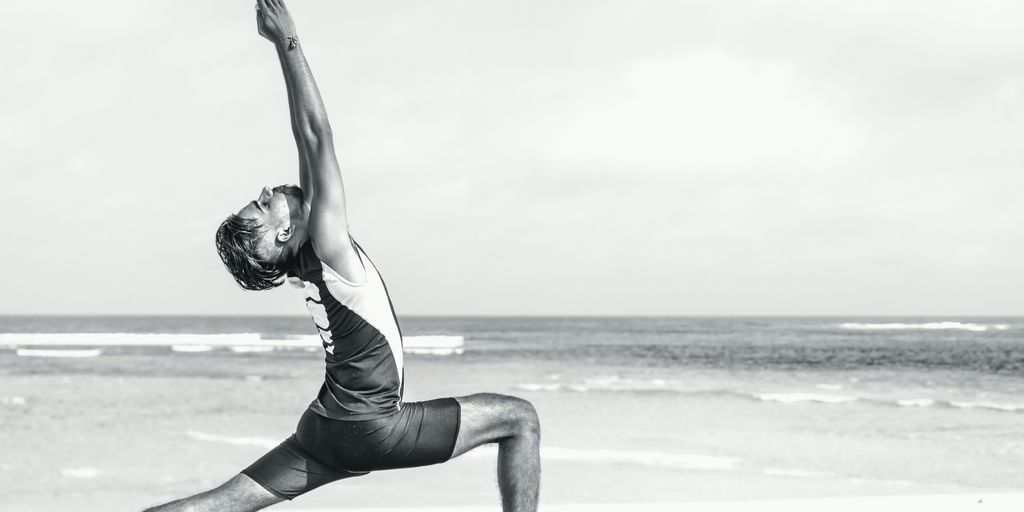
[(257, 243)]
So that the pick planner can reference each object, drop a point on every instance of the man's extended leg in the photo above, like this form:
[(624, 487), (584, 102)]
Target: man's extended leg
[(286, 471), (240, 494), (512, 423)]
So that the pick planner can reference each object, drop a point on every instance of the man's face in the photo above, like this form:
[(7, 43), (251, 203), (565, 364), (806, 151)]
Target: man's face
[(273, 209)]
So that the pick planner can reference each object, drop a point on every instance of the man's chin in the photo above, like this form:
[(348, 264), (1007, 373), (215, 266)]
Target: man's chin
[(290, 190)]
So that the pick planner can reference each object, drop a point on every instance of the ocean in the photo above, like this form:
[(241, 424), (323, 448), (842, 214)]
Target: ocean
[(113, 413)]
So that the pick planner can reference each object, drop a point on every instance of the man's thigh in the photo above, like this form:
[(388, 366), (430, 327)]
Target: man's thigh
[(290, 470), (489, 418)]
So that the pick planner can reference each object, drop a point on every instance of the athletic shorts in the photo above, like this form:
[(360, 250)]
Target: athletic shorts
[(323, 450)]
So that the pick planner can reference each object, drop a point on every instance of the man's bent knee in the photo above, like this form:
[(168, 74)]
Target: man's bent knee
[(492, 418), (515, 416), (524, 417)]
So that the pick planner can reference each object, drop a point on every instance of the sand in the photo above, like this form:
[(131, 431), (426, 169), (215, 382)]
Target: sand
[(931, 503), (115, 433)]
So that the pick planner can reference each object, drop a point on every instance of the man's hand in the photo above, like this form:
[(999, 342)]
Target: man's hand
[(319, 172), (273, 21)]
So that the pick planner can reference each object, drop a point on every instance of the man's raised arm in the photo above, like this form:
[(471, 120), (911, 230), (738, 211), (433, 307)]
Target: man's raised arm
[(320, 175)]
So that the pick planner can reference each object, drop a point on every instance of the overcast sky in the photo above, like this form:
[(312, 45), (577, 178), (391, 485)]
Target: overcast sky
[(529, 157)]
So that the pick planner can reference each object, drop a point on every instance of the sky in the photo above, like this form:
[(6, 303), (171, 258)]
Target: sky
[(529, 157)]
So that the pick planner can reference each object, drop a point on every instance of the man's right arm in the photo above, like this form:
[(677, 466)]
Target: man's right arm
[(320, 174)]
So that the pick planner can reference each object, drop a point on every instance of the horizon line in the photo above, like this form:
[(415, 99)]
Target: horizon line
[(544, 315)]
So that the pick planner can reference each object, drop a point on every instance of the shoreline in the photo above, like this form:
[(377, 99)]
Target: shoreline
[(930, 502), (953, 502)]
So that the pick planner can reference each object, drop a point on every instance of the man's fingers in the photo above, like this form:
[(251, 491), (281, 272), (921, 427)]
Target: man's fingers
[(261, 5)]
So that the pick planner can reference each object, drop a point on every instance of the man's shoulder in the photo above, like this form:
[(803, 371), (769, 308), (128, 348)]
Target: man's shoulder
[(343, 257)]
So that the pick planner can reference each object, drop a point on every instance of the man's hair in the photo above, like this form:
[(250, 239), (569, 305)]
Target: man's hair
[(238, 241)]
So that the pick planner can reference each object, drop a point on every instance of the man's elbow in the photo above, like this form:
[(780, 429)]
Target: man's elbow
[(317, 131)]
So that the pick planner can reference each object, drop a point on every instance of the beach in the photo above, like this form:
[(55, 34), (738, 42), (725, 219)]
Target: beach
[(939, 503), (637, 414)]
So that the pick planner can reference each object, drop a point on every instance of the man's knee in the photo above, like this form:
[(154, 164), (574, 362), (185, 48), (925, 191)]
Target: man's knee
[(518, 414), (527, 421)]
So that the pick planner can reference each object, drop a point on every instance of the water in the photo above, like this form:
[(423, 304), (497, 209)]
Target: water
[(679, 408), (989, 345)]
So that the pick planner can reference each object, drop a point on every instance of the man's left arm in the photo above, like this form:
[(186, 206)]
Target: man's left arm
[(328, 220)]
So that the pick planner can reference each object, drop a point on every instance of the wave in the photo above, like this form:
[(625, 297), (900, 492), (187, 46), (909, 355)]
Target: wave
[(925, 326), (237, 342), (12, 400), (191, 348), (960, 404), (435, 345), (613, 384), (245, 349), (804, 397), (236, 441), (432, 351), (686, 461), (539, 387), (955, 404), (135, 339), (915, 402), (39, 352), (434, 340), (80, 472), (904, 402), (617, 384), (994, 406), (801, 473)]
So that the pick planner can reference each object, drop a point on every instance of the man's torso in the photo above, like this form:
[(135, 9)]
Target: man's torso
[(361, 339)]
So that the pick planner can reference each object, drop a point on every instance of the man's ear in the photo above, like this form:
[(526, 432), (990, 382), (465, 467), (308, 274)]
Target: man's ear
[(285, 234)]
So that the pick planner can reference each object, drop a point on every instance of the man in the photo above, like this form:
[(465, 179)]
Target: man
[(358, 423)]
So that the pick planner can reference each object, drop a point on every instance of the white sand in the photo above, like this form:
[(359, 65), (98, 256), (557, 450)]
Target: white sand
[(930, 503)]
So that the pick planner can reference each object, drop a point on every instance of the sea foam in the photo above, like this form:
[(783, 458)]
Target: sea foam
[(435, 345), (616, 383), (531, 386), (923, 326), (245, 349), (804, 397), (432, 351), (801, 473), (134, 339), (915, 402), (80, 472), (39, 352), (191, 348), (613, 384), (685, 461), (994, 406), (233, 440), (237, 342), (12, 400)]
